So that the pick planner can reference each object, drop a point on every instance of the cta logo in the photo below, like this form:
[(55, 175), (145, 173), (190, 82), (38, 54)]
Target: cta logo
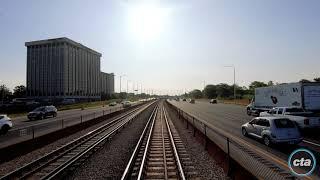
[(302, 162)]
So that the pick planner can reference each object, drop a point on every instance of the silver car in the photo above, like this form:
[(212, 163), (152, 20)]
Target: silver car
[(272, 130), (5, 124)]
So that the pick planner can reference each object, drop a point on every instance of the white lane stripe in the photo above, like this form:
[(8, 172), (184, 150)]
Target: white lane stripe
[(309, 142)]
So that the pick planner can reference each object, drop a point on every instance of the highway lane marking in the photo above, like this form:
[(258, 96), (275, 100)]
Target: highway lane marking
[(254, 147), (309, 142)]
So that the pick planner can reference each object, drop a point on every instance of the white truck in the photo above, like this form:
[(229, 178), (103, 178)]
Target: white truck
[(305, 96), (302, 118)]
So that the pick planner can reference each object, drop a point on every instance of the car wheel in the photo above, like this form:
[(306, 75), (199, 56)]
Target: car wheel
[(244, 132), (266, 141), (248, 112), (5, 128), (54, 114), (41, 117)]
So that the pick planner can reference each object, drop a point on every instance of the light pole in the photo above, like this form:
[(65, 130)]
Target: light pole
[(234, 82), (128, 86), (123, 75)]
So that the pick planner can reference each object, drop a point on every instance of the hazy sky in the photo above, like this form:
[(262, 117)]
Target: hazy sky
[(172, 45)]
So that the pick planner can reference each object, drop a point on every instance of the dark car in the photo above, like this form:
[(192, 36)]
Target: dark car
[(213, 101), (42, 112)]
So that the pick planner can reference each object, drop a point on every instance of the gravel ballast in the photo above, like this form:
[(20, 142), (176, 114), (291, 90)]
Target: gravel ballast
[(110, 161), (205, 165), (9, 166)]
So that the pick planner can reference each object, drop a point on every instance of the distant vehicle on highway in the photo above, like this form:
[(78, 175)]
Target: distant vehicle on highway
[(43, 112), (299, 95), (126, 104), (5, 124), (113, 104), (302, 118), (272, 130), (213, 101), (184, 99), (68, 101)]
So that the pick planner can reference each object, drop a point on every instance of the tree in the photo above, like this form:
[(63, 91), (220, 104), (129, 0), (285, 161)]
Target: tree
[(224, 90), (19, 91), (210, 91), (196, 93), (5, 93), (317, 79), (257, 84), (270, 83), (304, 81)]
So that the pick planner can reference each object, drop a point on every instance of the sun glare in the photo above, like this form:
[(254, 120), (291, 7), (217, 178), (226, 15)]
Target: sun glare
[(147, 21)]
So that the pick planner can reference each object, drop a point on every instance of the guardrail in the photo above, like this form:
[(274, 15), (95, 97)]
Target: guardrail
[(18, 135), (258, 163)]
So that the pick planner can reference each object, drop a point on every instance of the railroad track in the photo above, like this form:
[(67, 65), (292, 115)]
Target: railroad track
[(55, 164), (159, 153)]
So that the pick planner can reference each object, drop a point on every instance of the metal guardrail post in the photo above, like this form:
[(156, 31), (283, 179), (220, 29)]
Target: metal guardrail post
[(62, 125), (187, 123), (32, 132), (194, 128), (81, 118), (94, 115), (206, 139), (102, 112), (229, 158)]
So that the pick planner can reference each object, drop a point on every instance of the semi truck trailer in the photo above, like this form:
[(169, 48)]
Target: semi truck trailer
[(300, 95)]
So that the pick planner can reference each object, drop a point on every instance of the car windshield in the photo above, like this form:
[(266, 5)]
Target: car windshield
[(1, 117), (284, 123), (39, 109)]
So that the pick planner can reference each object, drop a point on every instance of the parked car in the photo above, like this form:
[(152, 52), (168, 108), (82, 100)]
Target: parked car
[(302, 118), (5, 124), (113, 104), (272, 130), (126, 104), (43, 112), (213, 101)]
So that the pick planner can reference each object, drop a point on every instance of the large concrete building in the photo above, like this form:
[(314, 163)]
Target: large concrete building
[(61, 68)]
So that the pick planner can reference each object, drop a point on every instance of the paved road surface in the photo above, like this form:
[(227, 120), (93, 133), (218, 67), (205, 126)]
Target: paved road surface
[(229, 118), (23, 121)]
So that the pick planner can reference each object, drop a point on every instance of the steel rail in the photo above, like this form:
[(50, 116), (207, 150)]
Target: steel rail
[(147, 146), (74, 159), (43, 161), (164, 149), (130, 164), (182, 175)]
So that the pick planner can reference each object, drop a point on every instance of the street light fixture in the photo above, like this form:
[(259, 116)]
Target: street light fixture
[(234, 81)]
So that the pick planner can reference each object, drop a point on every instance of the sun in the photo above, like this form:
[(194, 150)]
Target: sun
[(147, 21)]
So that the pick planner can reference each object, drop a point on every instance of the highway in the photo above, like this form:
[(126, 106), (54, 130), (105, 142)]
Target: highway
[(23, 121), (229, 118), (24, 129)]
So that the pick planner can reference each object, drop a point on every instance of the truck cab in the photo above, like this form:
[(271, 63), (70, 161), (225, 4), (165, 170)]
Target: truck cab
[(301, 117)]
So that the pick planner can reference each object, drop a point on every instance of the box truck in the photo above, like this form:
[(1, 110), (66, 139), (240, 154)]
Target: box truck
[(299, 95)]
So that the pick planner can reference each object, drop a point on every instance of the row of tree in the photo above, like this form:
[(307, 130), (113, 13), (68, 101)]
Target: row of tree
[(226, 91), (20, 92), (6, 94)]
